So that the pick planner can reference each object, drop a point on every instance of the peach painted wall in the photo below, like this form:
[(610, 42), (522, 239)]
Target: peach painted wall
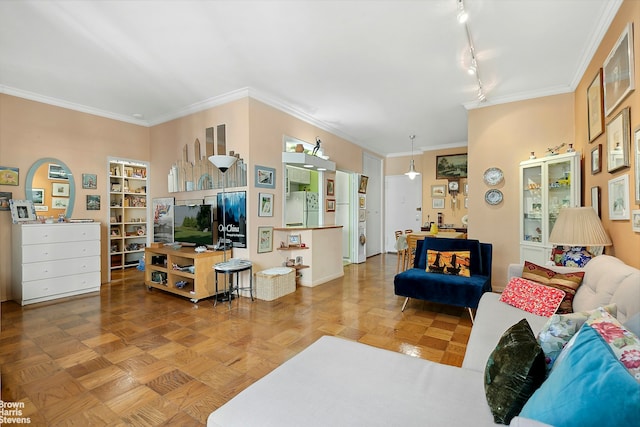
[(626, 243), (502, 136), (31, 130)]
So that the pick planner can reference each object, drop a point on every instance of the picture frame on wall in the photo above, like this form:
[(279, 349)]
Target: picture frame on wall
[(265, 177), (595, 199), (618, 74), (635, 220), (619, 198), (636, 150), (37, 196), (596, 159), (9, 176), (595, 107), (57, 172), (331, 205), (59, 202), (93, 202), (618, 135), (437, 203), (89, 181), (265, 239), (265, 204), (362, 184), (60, 189), (330, 187), (453, 166), (5, 196), (438, 191)]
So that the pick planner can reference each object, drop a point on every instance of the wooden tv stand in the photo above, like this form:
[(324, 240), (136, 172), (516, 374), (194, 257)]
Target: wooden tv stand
[(199, 284)]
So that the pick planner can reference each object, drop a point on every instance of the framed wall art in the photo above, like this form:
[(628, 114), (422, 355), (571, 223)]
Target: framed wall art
[(595, 104), (331, 191), (265, 177), (618, 135), (22, 211), (265, 204), (37, 196), (596, 159), (5, 196), (595, 199), (9, 176), (619, 198), (439, 190), (57, 172), (451, 167), (437, 203), (331, 205), (162, 209), (636, 150), (265, 239), (362, 185), (93, 202), (635, 220), (89, 181), (60, 189), (59, 202), (618, 73)]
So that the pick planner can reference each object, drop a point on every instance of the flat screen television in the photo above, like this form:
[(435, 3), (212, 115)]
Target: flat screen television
[(193, 224)]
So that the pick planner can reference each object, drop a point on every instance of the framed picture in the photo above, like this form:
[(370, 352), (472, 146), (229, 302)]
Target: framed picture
[(362, 185), (330, 187), (595, 199), (9, 176), (115, 231), (331, 205), (437, 203), (466, 203), (57, 172), (636, 150), (596, 159), (37, 196), (22, 211), (265, 239), (59, 202), (162, 210), (619, 198), (451, 167), (362, 215), (438, 190), (60, 189), (618, 70), (294, 240), (265, 204), (5, 196), (89, 181), (465, 189), (635, 220), (595, 104), (362, 202), (93, 202), (265, 177), (618, 135)]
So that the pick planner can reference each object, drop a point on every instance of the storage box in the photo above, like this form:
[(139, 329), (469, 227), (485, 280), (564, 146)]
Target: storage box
[(275, 283)]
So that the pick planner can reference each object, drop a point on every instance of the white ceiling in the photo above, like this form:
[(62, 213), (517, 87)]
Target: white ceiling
[(373, 72)]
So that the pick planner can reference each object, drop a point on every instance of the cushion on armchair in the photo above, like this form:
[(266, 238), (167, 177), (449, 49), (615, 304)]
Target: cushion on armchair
[(445, 244)]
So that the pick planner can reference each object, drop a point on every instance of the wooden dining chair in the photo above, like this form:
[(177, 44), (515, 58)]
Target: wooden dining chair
[(411, 249), (402, 253)]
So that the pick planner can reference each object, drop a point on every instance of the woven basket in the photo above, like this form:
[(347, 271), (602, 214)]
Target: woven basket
[(275, 283)]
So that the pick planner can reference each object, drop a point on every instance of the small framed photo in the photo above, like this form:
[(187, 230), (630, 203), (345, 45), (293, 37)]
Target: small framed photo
[(466, 203), (93, 202), (362, 215), (362, 202), (331, 205), (636, 150), (618, 70), (22, 211), (294, 240), (5, 196), (595, 104), (90, 181), (59, 202), (37, 196), (57, 172), (331, 188), (465, 189), (9, 176), (595, 199), (439, 190), (115, 231), (362, 185), (265, 239), (265, 177), (619, 198), (265, 204), (437, 203), (618, 136), (60, 189), (635, 220), (596, 159), (115, 187)]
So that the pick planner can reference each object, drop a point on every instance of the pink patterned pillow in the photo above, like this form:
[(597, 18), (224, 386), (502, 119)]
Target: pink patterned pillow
[(532, 297)]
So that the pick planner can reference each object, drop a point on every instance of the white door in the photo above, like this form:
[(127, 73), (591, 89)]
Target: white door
[(403, 207), (372, 167), (343, 211)]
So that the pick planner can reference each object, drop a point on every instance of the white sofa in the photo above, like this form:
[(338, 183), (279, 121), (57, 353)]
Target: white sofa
[(336, 382)]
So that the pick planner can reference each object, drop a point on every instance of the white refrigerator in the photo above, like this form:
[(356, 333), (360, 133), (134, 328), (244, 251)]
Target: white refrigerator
[(302, 209)]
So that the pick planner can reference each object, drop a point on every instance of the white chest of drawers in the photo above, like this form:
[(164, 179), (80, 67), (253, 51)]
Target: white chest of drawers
[(54, 261)]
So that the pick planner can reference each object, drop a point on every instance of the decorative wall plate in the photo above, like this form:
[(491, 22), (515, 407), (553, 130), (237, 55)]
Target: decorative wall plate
[(493, 197), (493, 176), (465, 220)]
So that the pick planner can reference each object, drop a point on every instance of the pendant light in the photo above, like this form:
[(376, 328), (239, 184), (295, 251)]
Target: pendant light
[(412, 169)]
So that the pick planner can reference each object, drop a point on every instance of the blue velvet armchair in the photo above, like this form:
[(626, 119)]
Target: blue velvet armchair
[(448, 289)]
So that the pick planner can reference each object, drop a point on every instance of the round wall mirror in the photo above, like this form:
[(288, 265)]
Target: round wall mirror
[(51, 188)]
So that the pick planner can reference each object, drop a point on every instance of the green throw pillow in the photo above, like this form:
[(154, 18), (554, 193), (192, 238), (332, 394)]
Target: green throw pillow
[(515, 369)]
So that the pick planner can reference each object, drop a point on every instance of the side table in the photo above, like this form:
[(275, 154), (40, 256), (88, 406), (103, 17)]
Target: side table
[(229, 268)]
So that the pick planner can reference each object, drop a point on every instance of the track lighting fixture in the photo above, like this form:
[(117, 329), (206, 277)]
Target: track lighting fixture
[(462, 14), (473, 69)]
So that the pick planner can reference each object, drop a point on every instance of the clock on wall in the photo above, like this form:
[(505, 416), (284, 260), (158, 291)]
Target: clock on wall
[(493, 176)]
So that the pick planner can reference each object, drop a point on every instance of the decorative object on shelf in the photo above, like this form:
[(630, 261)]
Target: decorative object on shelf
[(619, 198), (552, 151), (636, 138), (595, 199), (223, 163), (331, 205), (618, 70), (571, 149), (618, 135), (412, 173), (635, 220), (596, 159), (493, 197), (576, 229), (265, 204), (316, 148), (532, 155), (438, 191), (595, 107), (493, 176), (9, 175), (294, 240), (93, 202), (452, 166), (200, 249), (265, 239), (299, 148), (22, 211), (89, 181), (265, 177)]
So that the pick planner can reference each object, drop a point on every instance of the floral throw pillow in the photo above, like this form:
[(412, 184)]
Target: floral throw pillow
[(532, 297), (455, 263), (567, 282)]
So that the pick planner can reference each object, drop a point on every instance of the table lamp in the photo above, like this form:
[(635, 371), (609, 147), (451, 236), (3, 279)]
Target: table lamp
[(577, 228), (223, 163)]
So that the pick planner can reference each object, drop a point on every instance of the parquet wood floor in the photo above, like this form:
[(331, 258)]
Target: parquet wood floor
[(129, 356)]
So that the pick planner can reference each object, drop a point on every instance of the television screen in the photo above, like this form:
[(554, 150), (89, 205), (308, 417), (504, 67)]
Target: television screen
[(193, 224)]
